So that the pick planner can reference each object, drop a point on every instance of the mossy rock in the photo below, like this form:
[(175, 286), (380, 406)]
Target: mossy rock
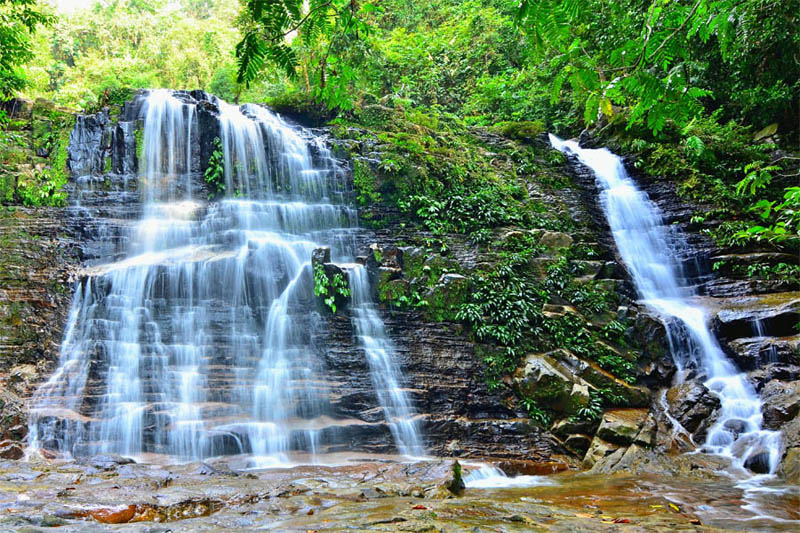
[(447, 296), (392, 290), (301, 108), (543, 380), (526, 130)]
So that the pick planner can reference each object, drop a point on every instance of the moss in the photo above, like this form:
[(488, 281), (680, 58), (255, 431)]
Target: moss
[(365, 184), (523, 131), (36, 181), (138, 135), (301, 107), (445, 300), (392, 290)]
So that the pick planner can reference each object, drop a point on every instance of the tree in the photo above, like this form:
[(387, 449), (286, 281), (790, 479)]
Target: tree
[(19, 19), (133, 44), (652, 57), (324, 27)]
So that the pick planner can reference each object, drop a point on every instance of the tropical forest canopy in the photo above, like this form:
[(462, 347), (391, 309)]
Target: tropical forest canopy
[(705, 91)]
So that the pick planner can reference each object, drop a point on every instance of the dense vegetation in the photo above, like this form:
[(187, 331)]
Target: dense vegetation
[(706, 88)]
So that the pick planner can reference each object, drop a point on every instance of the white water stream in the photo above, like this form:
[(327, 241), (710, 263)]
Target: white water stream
[(648, 250), (202, 339)]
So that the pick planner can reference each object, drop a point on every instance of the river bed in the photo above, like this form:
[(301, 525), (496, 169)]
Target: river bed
[(372, 494)]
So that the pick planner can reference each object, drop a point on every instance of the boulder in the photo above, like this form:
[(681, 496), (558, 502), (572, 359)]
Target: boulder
[(650, 333), (781, 403), (621, 426), (555, 240), (758, 461), (693, 406), (598, 450), (320, 256), (542, 379), (11, 450), (790, 467)]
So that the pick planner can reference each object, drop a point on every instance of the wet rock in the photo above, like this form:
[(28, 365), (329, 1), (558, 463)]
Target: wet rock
[(781, 403), (650, 333), (321, 256), (107, 461), (11, 450), (781, 372), (754, 352), (521, 467), (758, 461), (774, 314), (116, 515), (790, 466), (578, 443), (692, 405), (598, 450), (87, 150), (737, 427), (621, 426)]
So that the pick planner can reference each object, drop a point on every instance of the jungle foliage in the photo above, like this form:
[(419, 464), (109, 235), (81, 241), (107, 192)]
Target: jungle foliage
[(135, 44), (19, 20), (701, 91)]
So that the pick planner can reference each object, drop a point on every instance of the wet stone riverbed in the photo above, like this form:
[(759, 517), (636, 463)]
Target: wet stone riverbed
[(107, 493)]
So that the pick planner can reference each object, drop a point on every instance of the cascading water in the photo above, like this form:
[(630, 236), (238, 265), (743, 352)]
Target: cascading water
[(202, 339), (377, 346), (646, 247)]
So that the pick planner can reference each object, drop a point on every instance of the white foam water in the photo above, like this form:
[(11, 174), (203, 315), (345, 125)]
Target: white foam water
[(649, 250), (491, 477)]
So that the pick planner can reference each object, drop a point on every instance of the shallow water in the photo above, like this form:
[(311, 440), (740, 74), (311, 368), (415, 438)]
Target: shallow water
[(371, 493)]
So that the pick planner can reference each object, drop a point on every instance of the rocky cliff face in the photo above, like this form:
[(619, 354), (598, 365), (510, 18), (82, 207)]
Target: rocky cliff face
[(37, 257), (596, 416)]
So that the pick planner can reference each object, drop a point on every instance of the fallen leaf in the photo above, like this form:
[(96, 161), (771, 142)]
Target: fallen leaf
[(584, 515), (420, 507), (675, 507), (695, 521), (621, 521)]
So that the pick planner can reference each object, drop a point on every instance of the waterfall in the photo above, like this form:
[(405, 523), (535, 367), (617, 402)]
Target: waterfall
[(648, 250), (377, 346), (202, 337)]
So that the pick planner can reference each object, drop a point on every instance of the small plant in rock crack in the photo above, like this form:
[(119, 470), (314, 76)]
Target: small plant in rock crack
[(329, 288), (215, 172)]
